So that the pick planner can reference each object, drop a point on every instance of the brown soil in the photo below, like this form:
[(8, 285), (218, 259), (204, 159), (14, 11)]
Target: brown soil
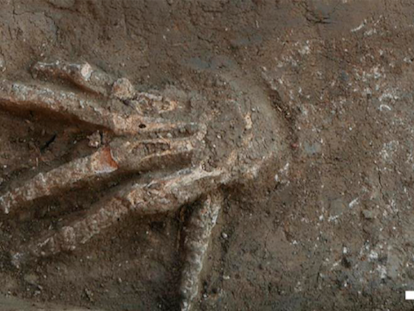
[(328, 225)]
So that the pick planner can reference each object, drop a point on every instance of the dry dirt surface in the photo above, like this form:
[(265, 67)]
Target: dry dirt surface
[(327, 224)]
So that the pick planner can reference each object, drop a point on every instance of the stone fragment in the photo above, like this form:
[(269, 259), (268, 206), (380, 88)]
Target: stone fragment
[(123, 89)]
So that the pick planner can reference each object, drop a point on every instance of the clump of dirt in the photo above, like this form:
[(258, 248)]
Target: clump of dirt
[(327, 224)]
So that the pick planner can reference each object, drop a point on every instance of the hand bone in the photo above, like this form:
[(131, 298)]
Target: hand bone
[(141, 144)]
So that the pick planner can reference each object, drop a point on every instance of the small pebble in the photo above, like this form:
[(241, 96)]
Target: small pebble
[(63, 4), (224, 235), (95, 140), (368, 214), (89, 294), (31, 278), (2, 64)]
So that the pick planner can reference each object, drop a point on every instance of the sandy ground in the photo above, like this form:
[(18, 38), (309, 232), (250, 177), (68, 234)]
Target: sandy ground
[(327, 225)]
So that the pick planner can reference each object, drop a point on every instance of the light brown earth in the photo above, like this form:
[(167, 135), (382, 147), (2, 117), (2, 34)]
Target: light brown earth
[(327, 225)]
